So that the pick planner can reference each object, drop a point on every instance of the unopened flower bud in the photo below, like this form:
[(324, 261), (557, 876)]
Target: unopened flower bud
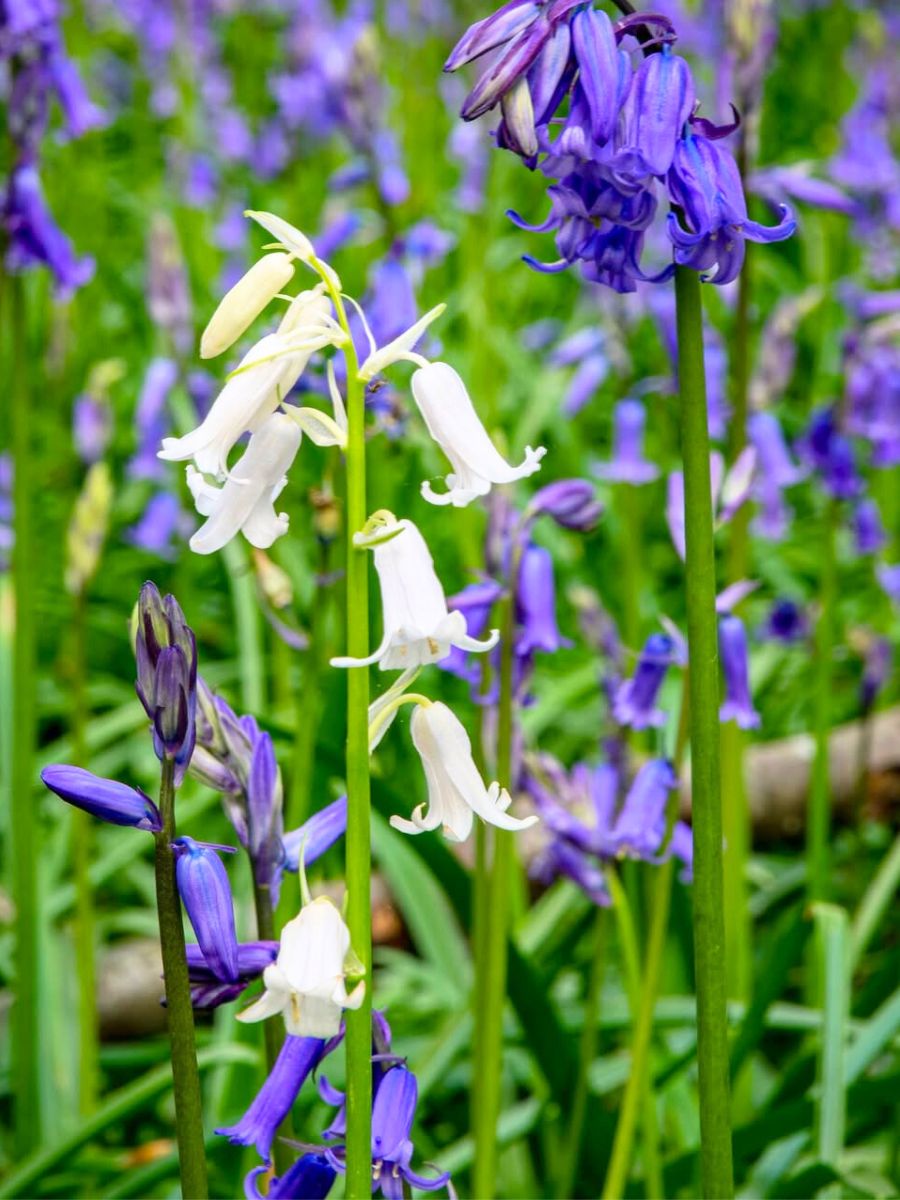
[(166, 654), (240, 307), (206, 895), (87, 528), (104, 798)]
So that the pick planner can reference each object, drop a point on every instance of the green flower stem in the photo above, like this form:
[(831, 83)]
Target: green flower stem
[(358, 841), (273, 1029), (23, 831), (82, 840), (491, 987), (587, 1052), (180, 1015), (819, 820), (628, 503), (642, 998), (248, 626), (708, 889)]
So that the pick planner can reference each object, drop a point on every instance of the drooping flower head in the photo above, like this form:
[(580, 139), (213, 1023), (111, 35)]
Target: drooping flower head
[(166, 654)]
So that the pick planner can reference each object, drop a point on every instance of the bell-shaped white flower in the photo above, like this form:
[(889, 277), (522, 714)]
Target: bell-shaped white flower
[(243, 303), (307, 981), (456, 790), (256, 387), (454, 424), (418, 627), (245, 503)]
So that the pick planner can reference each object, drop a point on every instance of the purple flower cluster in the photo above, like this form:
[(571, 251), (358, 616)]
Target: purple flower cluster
[(613, 138), (35, 69)]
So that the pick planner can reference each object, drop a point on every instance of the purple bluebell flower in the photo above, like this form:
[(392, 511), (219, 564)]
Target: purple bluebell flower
[(785, 622), (156, 529), (705, 182), (868, 531), (628, 464), (659, 102), (830, 452), (150, 419), (877, 660), (107, 799), (737, 705), (775, 464), (635, 702), (316, 835), (91, 427), (310, 1178), (34, 237), (588, 377), (572, 503), (889, 578), (536, 604), (168, 290), (207, 990), (641, 824), (206, 895), (297, 1059), (166, 654), (393, 1112)]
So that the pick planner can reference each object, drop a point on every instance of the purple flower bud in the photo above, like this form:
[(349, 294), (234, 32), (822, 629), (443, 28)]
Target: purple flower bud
[(166, 654), (316, 835), (737, 705), (91, 427), (536, 604), (311, 1177), (252, 960), (571, 503), (151, 420), (597, 55), (641, 824), (104, 798), (154, 532), (562, 858), (868, 532), (628, 464), (635, 702), (297, 1059), (493, 31), (264, 815), (591, 373), (206, 895), (826, 449)]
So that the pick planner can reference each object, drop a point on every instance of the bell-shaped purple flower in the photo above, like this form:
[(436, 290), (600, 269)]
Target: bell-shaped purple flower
[(563, 858), (641, 824), (628, 464), (536, 604), (207, 991), (166, 654), (658, 104), (315, 835), (830, 453), (297, 1059), (104, 798), (310, 1178), (635, 701), (705, 182), (572, 503), (888, 576), (868, 531), (737, 705), (206, 895)]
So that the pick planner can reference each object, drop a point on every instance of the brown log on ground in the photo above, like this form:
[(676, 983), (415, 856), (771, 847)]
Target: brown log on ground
[(778, 775)]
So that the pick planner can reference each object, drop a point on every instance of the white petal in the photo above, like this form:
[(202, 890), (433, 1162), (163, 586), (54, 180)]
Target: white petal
[(313, 947), (247, 492), (243, 303), (289, 236), (312, 1016), (317, 426), (452, 421), (273, 999), (206, 495), (337, 400), (399, 348)]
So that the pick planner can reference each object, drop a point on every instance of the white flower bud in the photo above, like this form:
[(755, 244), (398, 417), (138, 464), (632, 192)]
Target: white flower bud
[(240, 306)]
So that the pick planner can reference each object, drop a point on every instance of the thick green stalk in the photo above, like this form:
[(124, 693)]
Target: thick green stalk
[(735, 807), (359, 850), (24, 1033), (708, 890), (82, 839), (587, 1052), (179, 1014), (492, 989), (819, 819)]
